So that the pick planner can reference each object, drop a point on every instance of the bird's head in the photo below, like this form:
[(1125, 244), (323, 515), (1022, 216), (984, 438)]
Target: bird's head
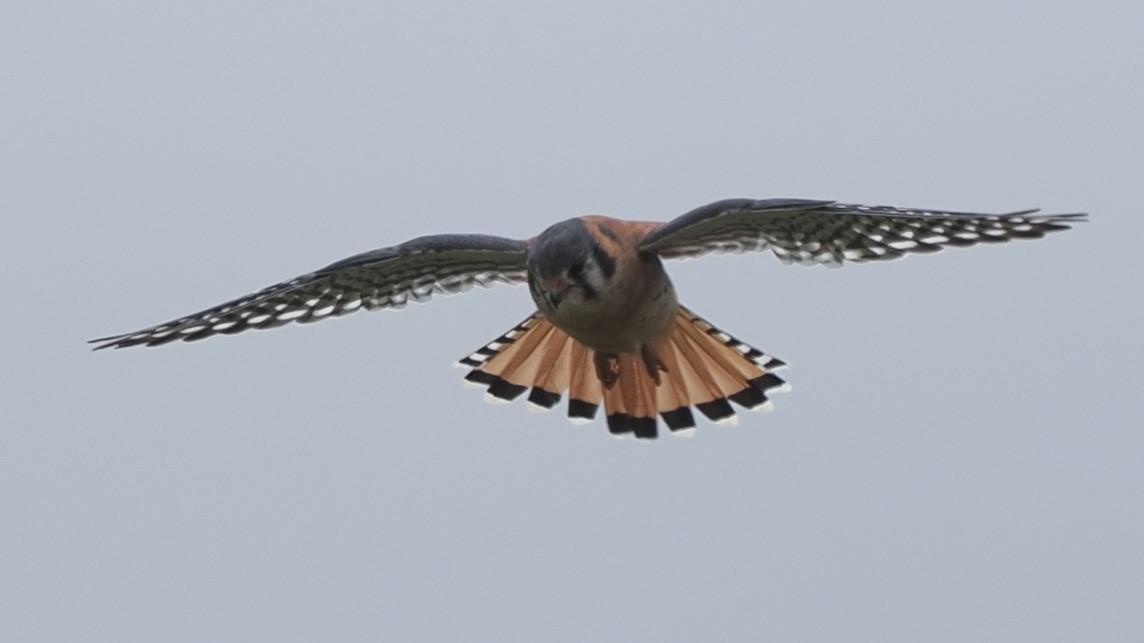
[(567, 265)]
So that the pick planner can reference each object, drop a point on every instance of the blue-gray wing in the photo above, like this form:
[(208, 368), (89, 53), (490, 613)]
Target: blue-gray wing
[(825, 232), (384, 278)]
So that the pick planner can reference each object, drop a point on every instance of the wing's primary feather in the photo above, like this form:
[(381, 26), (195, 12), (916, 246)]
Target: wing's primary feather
[(825, 232), (382, 278)]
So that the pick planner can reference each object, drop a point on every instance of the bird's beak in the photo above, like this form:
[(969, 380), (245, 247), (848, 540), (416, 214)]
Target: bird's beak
[(553, 291)]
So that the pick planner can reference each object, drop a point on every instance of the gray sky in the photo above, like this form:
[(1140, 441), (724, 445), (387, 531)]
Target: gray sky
[(959, 458)]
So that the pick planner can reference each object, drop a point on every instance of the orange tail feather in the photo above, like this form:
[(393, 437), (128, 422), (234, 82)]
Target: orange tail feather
[(702, 367)]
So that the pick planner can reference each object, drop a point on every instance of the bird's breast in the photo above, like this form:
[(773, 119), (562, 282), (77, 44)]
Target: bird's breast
[(637, 308)]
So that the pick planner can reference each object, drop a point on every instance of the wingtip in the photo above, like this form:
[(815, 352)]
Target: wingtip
[(112, 341), (1072, 217)]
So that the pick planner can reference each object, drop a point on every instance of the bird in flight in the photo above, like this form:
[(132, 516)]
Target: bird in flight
[(608, 327)]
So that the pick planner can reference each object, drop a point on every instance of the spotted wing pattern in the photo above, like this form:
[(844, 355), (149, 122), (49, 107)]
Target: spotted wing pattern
[(824, 232), (384, 278)]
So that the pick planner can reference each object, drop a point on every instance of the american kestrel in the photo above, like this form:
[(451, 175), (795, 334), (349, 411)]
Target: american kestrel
[(608, 326)]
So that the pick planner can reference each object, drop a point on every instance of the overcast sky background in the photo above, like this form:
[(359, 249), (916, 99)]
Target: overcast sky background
[(960, 457)]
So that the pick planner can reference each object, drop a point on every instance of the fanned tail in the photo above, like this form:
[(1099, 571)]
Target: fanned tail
[(538, 356), (697, 366)]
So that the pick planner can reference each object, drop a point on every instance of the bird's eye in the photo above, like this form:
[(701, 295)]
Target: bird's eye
[(576, 270)]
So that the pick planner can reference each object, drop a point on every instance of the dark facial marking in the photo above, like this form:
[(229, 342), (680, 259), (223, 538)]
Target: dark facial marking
[(605, 261), (608, 232)]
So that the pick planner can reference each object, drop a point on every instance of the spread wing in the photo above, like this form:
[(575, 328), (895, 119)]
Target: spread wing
[(382, 278), (825, 232)]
